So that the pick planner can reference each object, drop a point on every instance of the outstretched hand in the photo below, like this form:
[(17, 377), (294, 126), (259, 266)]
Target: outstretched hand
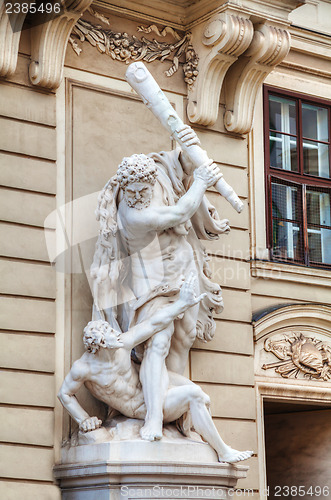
[(187, 292)]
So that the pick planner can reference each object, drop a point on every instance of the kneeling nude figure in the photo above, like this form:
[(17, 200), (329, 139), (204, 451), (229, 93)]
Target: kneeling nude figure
[(109, 374)]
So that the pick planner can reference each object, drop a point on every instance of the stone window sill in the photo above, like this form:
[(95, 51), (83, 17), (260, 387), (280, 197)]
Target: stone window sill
[(286, 272)]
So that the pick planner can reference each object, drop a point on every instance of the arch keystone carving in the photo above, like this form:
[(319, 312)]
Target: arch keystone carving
[(224, 38), (269, 47), (49, 42)]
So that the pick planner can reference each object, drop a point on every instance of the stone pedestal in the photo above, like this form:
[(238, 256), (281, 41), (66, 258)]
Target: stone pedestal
[(135, 469)]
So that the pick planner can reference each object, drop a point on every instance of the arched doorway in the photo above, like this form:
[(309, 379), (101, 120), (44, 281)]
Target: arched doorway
[(293, 384)]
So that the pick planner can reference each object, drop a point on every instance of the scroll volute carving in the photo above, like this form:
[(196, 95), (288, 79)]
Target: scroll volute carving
[(10, 33), (49, 42), (268, 48), (224, 38)]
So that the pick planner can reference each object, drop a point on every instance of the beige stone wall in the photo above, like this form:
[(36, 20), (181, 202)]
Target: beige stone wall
[(60, 147), (224, 366), (305, 70), (28, 291)]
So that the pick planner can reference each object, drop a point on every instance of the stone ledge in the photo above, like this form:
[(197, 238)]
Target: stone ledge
[(288, 272)]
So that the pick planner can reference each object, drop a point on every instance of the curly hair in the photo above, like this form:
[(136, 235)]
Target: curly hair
[(94, 335), (136, 168)]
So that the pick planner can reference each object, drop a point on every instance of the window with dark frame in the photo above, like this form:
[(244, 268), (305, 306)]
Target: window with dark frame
[(298, 178)]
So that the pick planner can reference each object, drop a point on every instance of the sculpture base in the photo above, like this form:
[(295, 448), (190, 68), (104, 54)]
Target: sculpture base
[(173, 468)]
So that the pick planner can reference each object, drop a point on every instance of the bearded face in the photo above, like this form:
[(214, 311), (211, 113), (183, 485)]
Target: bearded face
[(138, 195)]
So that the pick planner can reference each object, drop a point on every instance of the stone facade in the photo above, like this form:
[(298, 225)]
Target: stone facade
[(65, 127)]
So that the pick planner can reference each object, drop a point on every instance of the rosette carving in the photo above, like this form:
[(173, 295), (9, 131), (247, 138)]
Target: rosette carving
[(268, 48), (224, 38)]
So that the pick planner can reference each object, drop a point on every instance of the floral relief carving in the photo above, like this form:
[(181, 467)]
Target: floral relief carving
[(300, 355), (128, 48)]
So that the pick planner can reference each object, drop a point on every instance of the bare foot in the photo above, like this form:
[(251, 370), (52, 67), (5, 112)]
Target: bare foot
[(233, 456), (151, 431)]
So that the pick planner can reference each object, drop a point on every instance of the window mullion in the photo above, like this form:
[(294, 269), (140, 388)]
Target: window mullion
[(270, 220), (304, 237), (299, 137), (304, 226), (268, 176)]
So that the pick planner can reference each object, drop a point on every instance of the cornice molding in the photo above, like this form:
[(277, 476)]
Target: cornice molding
[(185, 14), (310, 42), (158, 12), (223, 38), (305, 69), (49, 43)]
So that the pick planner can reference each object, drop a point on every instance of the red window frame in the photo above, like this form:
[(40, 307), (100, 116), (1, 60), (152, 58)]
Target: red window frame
[(298, 179)]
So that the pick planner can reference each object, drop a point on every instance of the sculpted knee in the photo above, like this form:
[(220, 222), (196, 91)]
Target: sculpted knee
[(197, 395)]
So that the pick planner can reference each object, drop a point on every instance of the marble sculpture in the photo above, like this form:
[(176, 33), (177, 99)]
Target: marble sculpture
[(152, 287)]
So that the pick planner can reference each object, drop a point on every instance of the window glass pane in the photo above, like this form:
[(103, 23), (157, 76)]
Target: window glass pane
[(283, 152), (316, 158), (282, 115), (319, 242), (318, 208), (286, 240), (315, 122), (284, 201), (300, 142), (319, 237)]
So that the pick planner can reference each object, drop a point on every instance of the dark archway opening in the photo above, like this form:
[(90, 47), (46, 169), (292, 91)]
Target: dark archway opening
[(298, 450)]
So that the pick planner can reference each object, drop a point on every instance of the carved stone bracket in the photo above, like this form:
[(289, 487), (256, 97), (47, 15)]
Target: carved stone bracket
[(10, 33), (224, 38), (268, 48), (49, 42)]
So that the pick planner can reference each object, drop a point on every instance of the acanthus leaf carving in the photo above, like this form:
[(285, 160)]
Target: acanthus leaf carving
[(49, 42), (269, 47), (225, 37), (126, 48)]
